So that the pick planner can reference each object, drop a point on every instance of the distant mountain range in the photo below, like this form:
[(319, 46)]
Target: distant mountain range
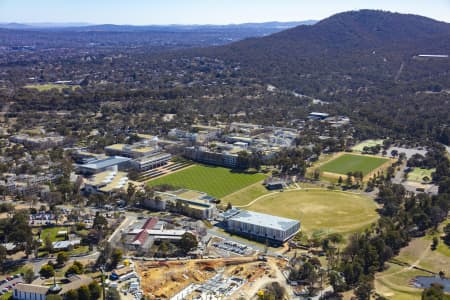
[(130, 28), (163, 37)]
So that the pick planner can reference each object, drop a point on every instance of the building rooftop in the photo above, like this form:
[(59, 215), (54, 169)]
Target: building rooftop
[(150, 223), (115, 146), (119, 181), (152, 157), (189, 194), (145, 136), (269, 221), (138, 147), (194, 199), (31, 288), (166, 232), (246, 139), (106, 178), (106, 162), (319, 114), (65, 244)]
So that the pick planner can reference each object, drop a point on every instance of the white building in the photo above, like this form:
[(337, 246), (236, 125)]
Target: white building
[(24, 291), (262, 227), (150, 162)]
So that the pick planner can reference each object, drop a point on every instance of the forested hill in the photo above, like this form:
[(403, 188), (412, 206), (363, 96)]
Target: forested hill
[(350, 31), (364, 62), (366, 29), (367, 44)]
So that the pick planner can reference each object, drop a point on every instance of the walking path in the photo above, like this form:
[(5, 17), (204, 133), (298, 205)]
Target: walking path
[(410, 266)]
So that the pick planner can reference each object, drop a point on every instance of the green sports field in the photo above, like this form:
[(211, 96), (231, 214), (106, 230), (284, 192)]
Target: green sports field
[(351, 163), (319, 209), (216, 181)]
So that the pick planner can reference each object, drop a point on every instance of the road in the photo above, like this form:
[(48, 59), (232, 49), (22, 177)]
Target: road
[(10, 283), (129, 219)]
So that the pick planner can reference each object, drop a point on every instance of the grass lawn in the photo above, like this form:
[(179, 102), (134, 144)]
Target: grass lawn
[(319, 209), (6, 296), (367, 143), (350, 163), (50, 86), (216, 181), (394, 284), (246, 195), (52, 232), (417, 174), (79, 250)]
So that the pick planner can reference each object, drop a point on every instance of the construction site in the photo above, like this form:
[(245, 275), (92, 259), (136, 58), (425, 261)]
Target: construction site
[(229, 278)]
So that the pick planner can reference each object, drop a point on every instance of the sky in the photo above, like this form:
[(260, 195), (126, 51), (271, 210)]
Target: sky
[(147, 12)]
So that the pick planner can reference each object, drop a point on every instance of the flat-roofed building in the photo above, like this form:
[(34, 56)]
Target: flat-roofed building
[(318, 116), (133, 151), (149, 162), (84, 157), (262, 227), (38, 142), (191, 203), (224, 158), (112, 163)]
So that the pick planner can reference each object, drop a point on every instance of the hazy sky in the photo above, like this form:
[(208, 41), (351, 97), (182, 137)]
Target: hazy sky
[(141, 12)]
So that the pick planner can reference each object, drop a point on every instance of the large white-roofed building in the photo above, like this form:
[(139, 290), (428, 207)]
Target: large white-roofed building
[(262, 227), (112, 163)]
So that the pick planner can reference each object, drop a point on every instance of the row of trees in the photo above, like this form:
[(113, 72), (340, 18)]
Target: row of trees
[(92, 291)]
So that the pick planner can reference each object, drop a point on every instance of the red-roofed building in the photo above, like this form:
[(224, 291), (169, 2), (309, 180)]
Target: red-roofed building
[(142, 236), (140, 239), (150, 224)]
